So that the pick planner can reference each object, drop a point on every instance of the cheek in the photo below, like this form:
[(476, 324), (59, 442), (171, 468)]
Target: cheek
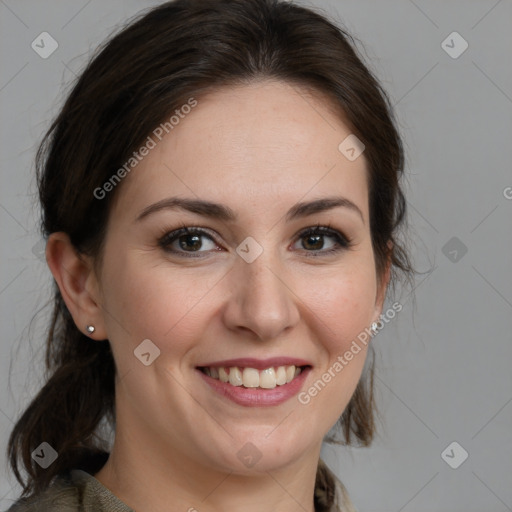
[(146, 302), (343, 305), (343, 312)]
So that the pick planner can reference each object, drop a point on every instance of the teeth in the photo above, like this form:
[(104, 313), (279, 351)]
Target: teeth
[(253, 378), (235, 376), (223, 376), (281, 375), (268, 379)]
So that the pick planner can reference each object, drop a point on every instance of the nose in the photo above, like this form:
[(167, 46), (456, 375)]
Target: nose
[(262, 299)]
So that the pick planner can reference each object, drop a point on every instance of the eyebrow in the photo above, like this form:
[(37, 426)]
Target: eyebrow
[(224, 213)]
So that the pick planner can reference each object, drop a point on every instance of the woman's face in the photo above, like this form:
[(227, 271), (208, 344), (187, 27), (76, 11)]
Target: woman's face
[(250, 286)]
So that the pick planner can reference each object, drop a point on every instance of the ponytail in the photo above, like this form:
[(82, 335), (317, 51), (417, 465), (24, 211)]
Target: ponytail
[(68, 409), (330, 493), (357, 420)]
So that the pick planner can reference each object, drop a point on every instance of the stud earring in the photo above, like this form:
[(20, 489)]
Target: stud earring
[(374, 328), (90, 329)]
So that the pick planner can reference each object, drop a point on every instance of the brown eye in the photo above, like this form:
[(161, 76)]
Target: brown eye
[(186, 240), (313, 241)]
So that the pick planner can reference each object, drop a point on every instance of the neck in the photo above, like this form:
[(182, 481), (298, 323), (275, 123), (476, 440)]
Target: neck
[(149, 478)]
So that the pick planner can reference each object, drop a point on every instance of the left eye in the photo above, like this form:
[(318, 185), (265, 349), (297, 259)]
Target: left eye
[(189, 241), (315, 237)]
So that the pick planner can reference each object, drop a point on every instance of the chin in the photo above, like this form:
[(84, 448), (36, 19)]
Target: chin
[(261, 452)]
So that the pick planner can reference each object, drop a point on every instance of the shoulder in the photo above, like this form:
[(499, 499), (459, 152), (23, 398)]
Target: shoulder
[(61, 495), (73, 491)]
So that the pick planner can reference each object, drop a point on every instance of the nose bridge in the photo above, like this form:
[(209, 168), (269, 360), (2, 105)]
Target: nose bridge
[(262, 300)]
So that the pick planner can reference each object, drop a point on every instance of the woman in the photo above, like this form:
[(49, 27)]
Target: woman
[(221, 200)]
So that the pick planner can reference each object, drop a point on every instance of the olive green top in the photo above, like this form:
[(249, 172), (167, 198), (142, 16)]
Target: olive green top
[(74, 491), (78, 491)]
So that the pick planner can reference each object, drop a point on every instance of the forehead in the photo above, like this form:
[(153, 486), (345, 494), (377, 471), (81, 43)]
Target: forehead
[(256, 145)]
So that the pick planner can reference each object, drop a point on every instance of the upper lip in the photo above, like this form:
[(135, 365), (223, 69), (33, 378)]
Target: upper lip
[(258, 364)]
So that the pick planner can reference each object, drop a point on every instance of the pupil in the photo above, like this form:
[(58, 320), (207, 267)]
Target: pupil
[(197, 241), (319, 243)]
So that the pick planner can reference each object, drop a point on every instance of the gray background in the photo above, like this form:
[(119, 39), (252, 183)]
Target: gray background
[(443, 366)]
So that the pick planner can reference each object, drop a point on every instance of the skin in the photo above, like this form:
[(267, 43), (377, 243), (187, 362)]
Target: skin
[(258, 149)]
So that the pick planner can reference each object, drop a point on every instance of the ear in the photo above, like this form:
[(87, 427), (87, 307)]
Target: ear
[(77, 283), (382, 284)]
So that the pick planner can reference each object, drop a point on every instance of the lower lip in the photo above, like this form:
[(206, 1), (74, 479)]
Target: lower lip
[(257, 397)]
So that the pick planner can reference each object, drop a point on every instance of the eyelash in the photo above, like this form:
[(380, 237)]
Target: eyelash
[(343, 242)]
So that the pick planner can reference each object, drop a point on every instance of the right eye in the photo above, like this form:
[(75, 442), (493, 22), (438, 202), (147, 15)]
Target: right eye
[(185, 240)]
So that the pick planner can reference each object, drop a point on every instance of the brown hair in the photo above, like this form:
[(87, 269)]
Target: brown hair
[(175, 51)]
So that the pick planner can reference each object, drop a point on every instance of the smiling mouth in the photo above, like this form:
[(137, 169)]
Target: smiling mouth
[(247, 377)]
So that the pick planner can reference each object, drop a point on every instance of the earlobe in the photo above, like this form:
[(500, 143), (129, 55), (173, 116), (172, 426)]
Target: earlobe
[(73, 274)]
